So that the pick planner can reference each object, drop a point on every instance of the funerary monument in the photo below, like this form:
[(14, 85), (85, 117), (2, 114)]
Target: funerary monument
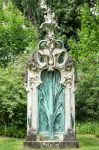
[(50, 86)]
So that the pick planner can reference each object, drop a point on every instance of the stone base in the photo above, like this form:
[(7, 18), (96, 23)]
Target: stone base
[(51, 144), (69, 141)]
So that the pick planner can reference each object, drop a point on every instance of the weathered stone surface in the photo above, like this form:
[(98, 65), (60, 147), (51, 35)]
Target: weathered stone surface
[(50, 85), (51, 144), (69, 141), (32, 136), (70, 135)]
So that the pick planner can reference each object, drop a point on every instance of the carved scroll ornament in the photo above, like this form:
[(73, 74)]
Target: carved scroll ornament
[(51, 54)]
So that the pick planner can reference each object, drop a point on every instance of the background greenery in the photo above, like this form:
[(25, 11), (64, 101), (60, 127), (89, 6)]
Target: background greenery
[(67, 13), (19, 34)]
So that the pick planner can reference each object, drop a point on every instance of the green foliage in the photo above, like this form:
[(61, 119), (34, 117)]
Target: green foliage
[(17, 42), (88, 142), (67, 13), (86, 56), (12, 98), (13, 132), (97, 135), (16, 33), (13, 107), (87, 127), (97, 132)]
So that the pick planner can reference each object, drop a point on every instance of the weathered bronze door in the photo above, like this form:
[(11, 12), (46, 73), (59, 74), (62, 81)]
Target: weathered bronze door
[(51, 104)]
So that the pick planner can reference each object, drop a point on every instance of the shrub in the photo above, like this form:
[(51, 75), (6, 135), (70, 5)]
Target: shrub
[(97, 135), (12, 98), (86, 55), (18, 38), (13, 132), (2, 131), (97, 132), (87, 128)]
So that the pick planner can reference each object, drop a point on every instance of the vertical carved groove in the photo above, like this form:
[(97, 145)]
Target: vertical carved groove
[(51, 103)]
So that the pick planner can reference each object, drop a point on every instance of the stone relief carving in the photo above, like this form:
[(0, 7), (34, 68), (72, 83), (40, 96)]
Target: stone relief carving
[(51, 53), (51, 103), (51, 56)]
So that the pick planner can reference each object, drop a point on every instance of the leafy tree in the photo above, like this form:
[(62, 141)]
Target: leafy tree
[(86, 56), (67, 13), (13, 96), (17, 42), (16, 33)]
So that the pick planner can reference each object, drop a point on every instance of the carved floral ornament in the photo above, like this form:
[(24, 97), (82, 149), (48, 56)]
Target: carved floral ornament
[(51, 54)]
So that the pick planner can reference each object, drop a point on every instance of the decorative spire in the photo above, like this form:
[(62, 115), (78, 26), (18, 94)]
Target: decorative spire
[(51, 53), (50, 21)]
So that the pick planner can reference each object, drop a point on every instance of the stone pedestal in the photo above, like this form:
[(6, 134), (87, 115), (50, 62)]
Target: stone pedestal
[(51, 144), (69, 141)]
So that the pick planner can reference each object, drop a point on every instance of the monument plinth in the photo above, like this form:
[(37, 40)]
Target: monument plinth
[(51, 93)]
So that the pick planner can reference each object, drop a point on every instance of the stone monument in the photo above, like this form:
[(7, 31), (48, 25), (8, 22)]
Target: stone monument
[(50, 86)]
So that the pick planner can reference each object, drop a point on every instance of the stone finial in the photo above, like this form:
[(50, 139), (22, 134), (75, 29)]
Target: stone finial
[(50, 23)]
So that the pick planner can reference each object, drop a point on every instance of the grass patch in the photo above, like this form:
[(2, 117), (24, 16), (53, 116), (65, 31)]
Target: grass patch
[(87, 142), (11, 144)]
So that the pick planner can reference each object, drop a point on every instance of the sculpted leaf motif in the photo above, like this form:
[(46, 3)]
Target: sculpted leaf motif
[(51, 102)]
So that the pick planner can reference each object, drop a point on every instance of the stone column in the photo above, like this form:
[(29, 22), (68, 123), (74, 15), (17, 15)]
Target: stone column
[(34, 97), (29, 103), (32, 106), (29, 111), (67, 106), (73, 102)]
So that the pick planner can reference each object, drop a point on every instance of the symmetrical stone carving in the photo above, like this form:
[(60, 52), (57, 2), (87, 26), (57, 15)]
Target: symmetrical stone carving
[(50, 91), (51, 103), (51, 55)]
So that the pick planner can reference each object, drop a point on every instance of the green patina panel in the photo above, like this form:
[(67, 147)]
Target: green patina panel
[(51, 103)]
